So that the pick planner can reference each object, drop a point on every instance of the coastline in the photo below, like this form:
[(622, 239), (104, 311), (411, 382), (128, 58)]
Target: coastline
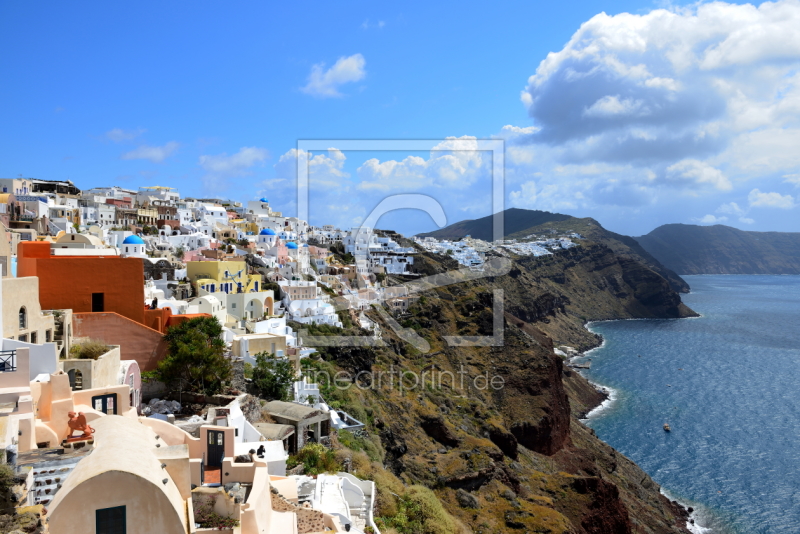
[(691, 514)]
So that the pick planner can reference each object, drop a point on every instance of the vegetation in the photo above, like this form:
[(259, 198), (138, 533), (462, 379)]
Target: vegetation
[(344, 317), (179, 252), (339, 254), (361, 444), (195, 360), (419, 512), (88, 349), (206, 517), (272, 286), (316, 459), (273, 377), (328, 290), (6, 478), (248, 370)]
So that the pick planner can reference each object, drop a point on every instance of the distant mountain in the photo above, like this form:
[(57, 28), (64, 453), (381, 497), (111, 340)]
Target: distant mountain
[(516, 220), (520, 223), (691, 249)]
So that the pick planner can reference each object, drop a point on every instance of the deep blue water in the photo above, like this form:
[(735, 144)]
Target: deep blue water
[(728, 383)]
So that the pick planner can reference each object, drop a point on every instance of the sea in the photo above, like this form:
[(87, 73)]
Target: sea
[(728, 385)]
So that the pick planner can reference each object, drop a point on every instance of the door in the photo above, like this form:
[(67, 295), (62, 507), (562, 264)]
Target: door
[(105, 403), (216, 448), (110, 520), (98, 302)]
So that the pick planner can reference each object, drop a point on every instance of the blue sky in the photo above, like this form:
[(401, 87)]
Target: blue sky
[(638, 117)]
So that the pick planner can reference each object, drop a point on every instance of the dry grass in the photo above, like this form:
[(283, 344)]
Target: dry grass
[(88, 349)]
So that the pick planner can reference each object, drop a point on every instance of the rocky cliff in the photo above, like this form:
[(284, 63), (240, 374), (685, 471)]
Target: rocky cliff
[(492, 430), (523, 224), (718, 249), (514, 220)]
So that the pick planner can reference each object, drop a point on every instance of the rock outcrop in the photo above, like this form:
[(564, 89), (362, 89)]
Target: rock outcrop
[(493, 429)]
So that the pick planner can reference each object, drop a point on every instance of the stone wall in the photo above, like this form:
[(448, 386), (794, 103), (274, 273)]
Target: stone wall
[(308, 519)]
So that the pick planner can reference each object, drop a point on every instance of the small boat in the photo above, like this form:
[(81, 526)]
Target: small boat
[(667, 428)]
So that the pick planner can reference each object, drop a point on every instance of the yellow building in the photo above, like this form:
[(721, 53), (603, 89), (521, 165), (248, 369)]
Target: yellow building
[(245, 226), (222, 277)]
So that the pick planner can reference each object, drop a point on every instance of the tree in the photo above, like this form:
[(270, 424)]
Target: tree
[(195, 358), (273, 377), (179, 252)]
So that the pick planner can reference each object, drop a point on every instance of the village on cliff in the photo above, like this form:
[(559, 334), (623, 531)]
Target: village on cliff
[(97, 287)]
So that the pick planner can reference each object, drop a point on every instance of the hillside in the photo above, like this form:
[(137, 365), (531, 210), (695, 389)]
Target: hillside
[(520, 223), (516, 220), (691, 249), (516, 458)]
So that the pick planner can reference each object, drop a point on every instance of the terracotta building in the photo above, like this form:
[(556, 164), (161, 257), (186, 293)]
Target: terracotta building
[(84, 283)]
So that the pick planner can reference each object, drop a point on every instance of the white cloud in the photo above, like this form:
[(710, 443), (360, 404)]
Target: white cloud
[(712, 80), (698, 172), (732, 208), (325, 83), (757, 199), (792, 179), (366, 25), (510, 131), (156, 154), (119, 135), (453, 163), (612, 105), (711, 219), (324, 170), (235, 164)]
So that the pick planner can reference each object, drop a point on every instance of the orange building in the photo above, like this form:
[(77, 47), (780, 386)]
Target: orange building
[(84, 283), (106, 295)]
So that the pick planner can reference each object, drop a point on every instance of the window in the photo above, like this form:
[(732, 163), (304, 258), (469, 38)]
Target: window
[(110, 520), (24, 337), (105, 403), (48, 336), (34, 337), (98, 302), (23, 318)]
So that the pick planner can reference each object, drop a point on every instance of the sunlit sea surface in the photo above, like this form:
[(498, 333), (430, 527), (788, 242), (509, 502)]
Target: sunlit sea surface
[(728, 384)]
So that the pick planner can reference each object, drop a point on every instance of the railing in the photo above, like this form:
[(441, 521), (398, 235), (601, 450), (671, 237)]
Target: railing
[(8, 361)]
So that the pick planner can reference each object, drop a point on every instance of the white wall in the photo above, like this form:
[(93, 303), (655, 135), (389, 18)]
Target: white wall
[(43, 358)]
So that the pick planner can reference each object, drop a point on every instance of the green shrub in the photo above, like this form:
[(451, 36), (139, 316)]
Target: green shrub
[(316, 459), (360, 444), (88, 349), (273, 377), (6, 478), (195, 358), (419, 511)]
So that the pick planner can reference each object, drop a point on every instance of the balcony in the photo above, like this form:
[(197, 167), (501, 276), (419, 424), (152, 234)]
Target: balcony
[(8, 361)]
